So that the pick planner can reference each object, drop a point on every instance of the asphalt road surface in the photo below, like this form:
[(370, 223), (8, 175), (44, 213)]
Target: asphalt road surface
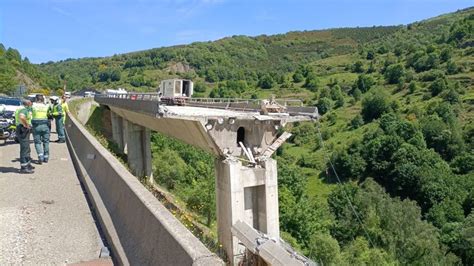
[(44, 217)]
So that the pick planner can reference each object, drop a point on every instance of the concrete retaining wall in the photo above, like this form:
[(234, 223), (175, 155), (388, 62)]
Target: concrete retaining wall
[(140, 230)]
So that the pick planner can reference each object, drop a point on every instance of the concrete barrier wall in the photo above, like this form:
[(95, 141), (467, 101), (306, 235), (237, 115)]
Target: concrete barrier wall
[(140, 230)]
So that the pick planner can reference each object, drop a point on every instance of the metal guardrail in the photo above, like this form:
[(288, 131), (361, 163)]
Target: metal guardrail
[(156, 97), (293, 107)]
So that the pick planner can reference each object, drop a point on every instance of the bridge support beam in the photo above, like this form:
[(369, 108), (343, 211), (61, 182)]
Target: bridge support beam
[(249, 194), (117, 130), (138, 149)]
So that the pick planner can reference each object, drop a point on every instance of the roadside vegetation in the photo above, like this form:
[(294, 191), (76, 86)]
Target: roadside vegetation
[(385, 177)]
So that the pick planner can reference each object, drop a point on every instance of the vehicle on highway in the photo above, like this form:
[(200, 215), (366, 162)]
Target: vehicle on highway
[(7, 129), (89, 94), (32, 97), (118, 91), (9, 105), (67, 94), (175, 91)]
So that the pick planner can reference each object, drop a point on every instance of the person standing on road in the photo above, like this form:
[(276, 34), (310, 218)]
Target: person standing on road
[(50, 116), (57, 112), (23, 129), (40, 129), (65, 108)]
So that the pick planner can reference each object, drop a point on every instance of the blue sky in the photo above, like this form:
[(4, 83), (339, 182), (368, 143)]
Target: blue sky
[(46, 30)]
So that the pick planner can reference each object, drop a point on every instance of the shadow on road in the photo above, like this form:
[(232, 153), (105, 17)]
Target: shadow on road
[(8, 170)]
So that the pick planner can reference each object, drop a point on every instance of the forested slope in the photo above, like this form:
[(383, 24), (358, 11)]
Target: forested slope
[(397, 128), (15, 70)]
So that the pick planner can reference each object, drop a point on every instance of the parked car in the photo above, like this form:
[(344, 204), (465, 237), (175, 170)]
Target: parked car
[(9, 105)]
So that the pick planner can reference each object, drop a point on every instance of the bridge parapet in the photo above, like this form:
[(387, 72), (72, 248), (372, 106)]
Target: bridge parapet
[(139, 228)]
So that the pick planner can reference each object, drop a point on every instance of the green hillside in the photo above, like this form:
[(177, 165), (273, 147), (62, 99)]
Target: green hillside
[(397, 128), (15, 70)]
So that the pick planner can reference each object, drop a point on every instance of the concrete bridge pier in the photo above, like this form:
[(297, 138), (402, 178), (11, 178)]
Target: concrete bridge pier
[(249, 194), (133, 140), (117, 130), (138, 149)]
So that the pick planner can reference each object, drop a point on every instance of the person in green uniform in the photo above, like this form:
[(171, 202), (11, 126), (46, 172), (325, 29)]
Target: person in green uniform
[(40, 129), (23, 127), (57, 112)]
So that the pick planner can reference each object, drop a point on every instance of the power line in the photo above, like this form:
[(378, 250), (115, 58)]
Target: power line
[(343, 189)]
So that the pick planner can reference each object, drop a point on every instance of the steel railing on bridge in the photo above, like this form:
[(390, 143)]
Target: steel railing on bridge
[(291, 106)]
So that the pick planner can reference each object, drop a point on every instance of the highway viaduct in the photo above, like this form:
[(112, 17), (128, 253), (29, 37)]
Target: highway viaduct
[(240, 134), (136, 227)]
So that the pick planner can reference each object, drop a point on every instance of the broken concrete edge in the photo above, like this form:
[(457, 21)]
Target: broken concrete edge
[(184, 238), (118, 254), (270, 250)]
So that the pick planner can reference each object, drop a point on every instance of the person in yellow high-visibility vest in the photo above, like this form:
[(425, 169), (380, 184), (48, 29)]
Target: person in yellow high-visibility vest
[(17, 112), (65, 108), (57, 112), (40, 129)]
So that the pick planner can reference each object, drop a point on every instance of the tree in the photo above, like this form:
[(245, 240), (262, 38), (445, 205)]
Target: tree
[(298, 77), (463, 164), (358, 67), (451, 68), (451, 96), (390, 223), (412, 87), (200, 196), (170, 169), (7, 74), (445, 55), (357, 94), (312, 81), (394, 73), (324, 105), (447, 211), (364, 83), (359, 253), (200, 87), (357, 121), (370, 55), (211, 76), (374, 105), (115, 75), (349, 165), (266, 82), (372, 68), (324, 249), (13, 55), (336, 95)]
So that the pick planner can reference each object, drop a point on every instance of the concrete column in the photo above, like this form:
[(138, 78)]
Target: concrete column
[(248, 194), (269, 219), (146, 149), (230, 205), (117, 130), (138, 149)]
